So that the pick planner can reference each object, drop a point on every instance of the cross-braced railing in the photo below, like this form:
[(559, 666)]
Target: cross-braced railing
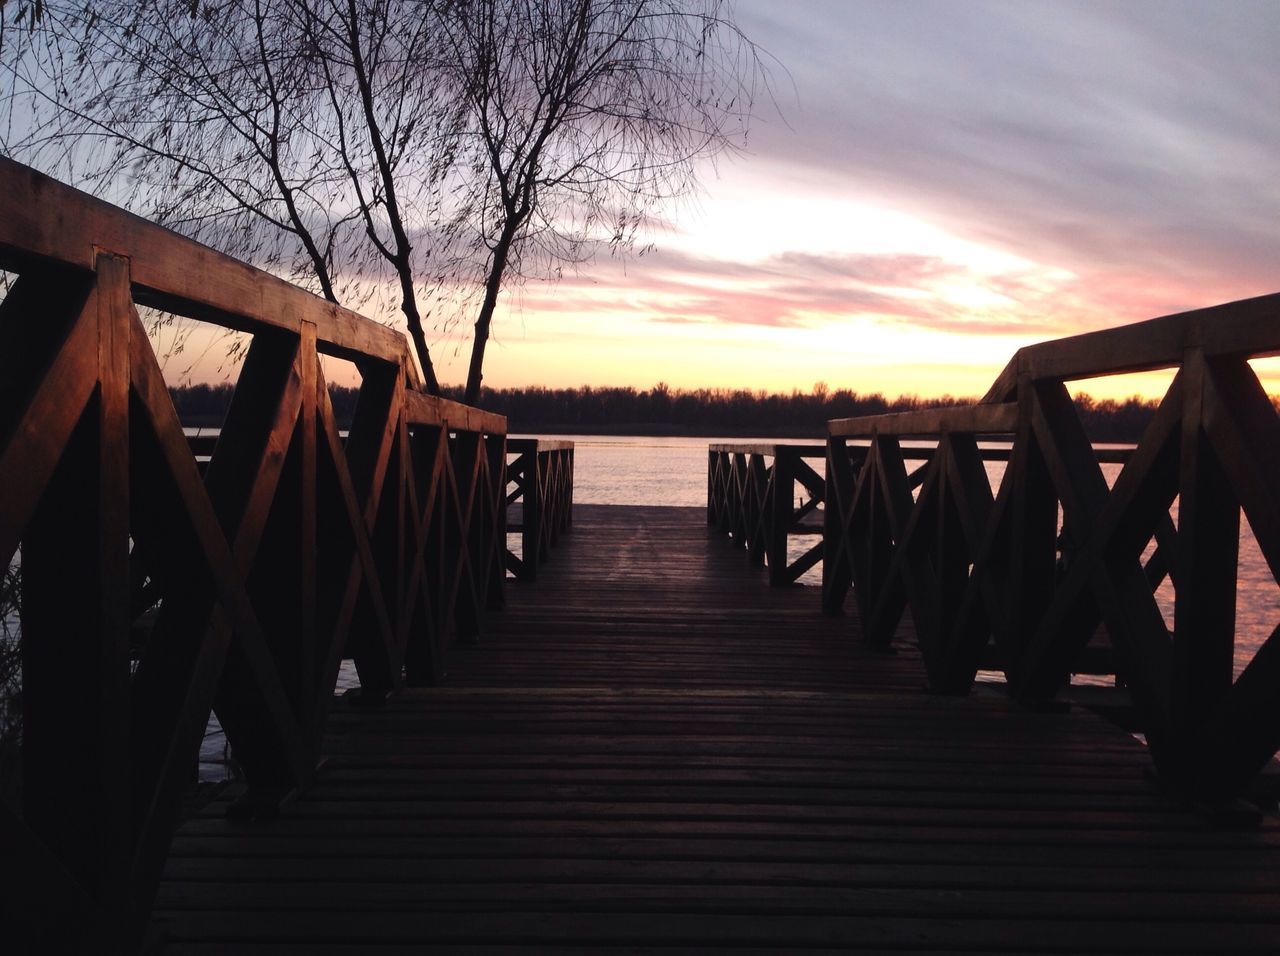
[(293, 549), (540, 484), (1048, 564), (763, 495)]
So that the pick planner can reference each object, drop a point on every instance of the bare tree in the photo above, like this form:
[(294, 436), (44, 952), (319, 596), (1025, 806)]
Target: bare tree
[(585, 116), (439, 148), (312, 136)]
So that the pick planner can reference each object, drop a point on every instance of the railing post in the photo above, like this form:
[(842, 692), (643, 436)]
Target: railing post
[(713, 518), (1205, 567), (76, 617), (1034, 543), (780, 513), (837, 574), (497, 450), (755, 508), (738, 501), (531, 511)]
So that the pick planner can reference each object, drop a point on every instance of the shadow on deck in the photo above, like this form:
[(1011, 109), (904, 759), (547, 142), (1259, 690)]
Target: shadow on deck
[(652, 749)]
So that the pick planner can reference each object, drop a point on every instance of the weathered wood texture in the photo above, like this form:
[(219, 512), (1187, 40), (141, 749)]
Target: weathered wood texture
[(540, 493), (157, 589), (654, 752), (762, 495), (1053, 572)]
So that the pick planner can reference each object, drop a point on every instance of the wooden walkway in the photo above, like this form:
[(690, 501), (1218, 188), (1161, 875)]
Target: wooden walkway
[(653, 750)]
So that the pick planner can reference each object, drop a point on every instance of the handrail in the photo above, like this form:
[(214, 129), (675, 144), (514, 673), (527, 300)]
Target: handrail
[(993, 575), (742, 478), (289, 549), (750, 490), (1243, 328), (540, 483)]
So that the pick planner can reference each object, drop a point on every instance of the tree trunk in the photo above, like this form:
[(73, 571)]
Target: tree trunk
[(430, 384), (492, 286)]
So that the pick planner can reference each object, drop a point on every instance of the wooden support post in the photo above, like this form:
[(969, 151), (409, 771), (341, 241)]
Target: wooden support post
[(75, 620), (375, 521), (1036, 552), (891, 562), (952, 569), (469, 472), (309, 631), (531, 510), (837, 575), (739, 501), (755, 509), (424, 638), (1207, 552), (779, 514), (713, 497), (496, 446)]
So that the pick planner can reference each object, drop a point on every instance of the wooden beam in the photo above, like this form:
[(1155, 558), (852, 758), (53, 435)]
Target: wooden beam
[(1206, 558), (430, 410), (75, 616), (1247, 328), (927, 422), (42, 218)]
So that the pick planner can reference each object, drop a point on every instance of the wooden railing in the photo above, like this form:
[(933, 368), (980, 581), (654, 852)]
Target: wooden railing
[(756, 494), (294, 548), (540, 483), (994, 573)]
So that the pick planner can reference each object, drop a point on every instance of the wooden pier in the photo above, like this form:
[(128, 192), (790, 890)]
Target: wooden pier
[(637, 744), (653, 750)]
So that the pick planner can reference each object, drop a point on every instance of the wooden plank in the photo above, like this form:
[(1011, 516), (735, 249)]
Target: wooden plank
[(75, 652), (768, 449), (431, 410), (524, 445), (701, 761), (995, 419), (1207, 554), (1243, 328), (40, 217)]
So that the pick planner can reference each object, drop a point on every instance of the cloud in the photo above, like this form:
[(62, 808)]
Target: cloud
[(793, 289), (1089, 135)]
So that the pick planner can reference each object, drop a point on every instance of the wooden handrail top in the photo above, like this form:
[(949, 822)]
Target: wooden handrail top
[(994, 419), (522, 445), (431, 410), (1114, 456), (43, 219), (768, 448), (1248, 327), (1106, 456)]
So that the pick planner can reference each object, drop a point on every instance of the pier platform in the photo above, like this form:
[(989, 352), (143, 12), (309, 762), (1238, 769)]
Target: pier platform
[(651, 750)]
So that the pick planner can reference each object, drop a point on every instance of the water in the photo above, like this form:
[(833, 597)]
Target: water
[(618, 470)]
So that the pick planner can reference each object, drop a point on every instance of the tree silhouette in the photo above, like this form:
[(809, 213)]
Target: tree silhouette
[(312, 137), (421, 151), (588, 115)]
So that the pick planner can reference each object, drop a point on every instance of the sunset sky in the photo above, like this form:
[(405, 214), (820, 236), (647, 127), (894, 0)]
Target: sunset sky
[(944, 183)]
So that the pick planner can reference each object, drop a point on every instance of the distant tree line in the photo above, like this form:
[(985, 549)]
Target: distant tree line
[(702, 411)]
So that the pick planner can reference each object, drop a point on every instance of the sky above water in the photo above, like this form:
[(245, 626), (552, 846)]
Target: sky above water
[(939, 184)]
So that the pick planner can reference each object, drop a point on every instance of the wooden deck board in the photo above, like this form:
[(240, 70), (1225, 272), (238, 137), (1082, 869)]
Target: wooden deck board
[(652, 751)]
